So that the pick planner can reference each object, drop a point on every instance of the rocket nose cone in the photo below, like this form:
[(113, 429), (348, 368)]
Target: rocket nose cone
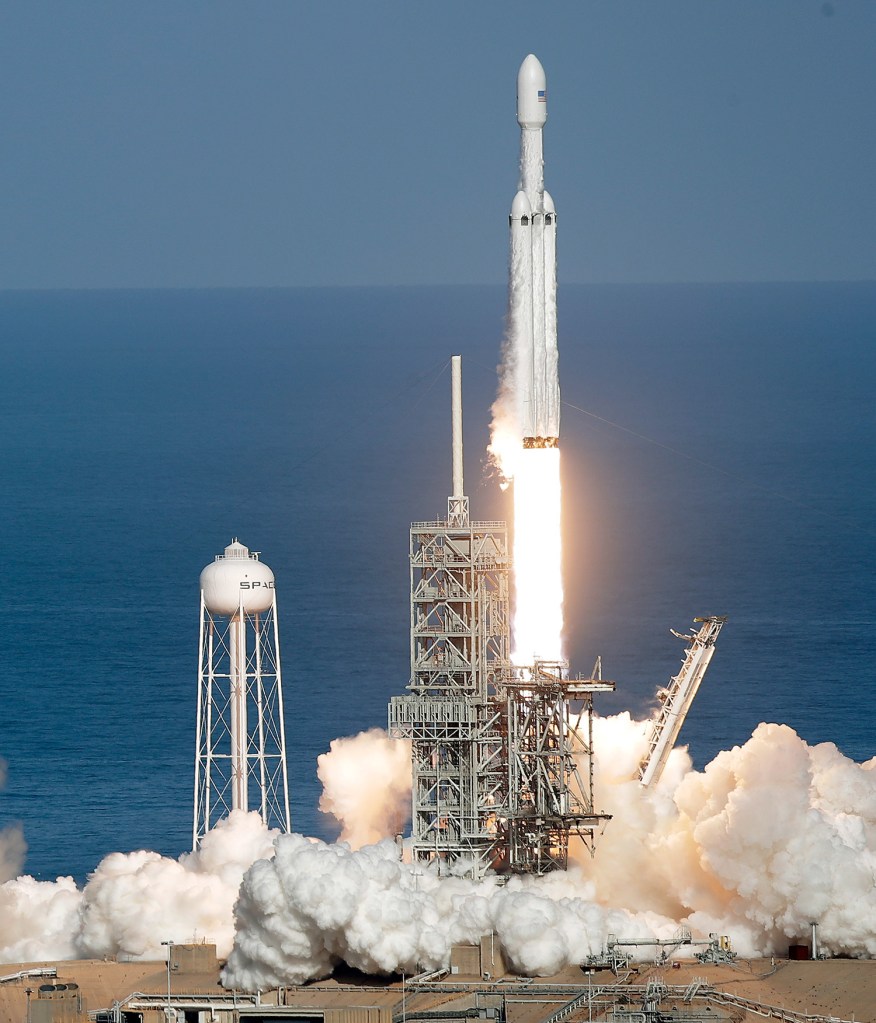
[(520, 207), (531, 94), (531, 65)]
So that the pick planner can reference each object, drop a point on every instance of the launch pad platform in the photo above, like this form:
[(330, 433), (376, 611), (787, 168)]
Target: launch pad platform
[(475, 987)]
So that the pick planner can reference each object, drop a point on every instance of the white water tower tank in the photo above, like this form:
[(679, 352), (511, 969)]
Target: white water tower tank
[(237, 578), (240, 758)]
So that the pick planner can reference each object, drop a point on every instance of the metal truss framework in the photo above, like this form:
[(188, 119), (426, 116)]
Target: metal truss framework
[(502, 770), (550, 765), (677, 697), (459, 652), (240, 765)]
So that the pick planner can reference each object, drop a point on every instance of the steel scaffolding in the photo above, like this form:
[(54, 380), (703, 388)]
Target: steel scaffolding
[(453, 717), (502, 773), (550, 765), (501, 756)]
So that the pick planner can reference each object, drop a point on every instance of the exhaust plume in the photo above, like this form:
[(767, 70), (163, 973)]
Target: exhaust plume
[(769, 836), (366, 786)]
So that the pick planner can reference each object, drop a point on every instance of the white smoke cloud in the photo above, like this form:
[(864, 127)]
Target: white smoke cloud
[(315, 905), (38, 919), (366, 786), (771, 835), (786, 834), (134, 901)]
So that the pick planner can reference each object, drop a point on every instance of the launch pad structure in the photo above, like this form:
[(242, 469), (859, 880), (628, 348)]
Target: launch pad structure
[(502, 751), (502, 769), (676, 698)]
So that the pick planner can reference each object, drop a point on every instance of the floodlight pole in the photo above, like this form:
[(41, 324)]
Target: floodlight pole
[(169, 945)]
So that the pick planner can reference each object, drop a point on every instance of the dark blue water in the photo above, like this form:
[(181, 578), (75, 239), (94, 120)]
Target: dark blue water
[(142, 430)]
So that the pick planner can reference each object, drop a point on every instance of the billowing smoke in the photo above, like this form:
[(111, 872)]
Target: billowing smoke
[(315, 905), (770, 836), (366, 786), (134, 901), (12, 844)]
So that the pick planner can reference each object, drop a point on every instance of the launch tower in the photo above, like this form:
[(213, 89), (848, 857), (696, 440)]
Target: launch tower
[(240, 758), (501, 764), (460, 635)]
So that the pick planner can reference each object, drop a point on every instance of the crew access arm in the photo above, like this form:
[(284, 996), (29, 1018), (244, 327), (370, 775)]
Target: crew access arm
[(678, 696)]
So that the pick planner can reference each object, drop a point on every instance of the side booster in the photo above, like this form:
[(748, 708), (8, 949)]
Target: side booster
[(534, 268)]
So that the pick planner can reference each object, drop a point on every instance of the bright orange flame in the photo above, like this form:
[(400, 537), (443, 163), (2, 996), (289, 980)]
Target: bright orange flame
[(538, 582)]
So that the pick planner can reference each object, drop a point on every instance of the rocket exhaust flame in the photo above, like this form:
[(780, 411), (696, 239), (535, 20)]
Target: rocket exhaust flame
[(538, 616)]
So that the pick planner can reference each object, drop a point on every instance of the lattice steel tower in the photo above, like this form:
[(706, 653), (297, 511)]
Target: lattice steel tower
[(240, 758), (501, 765), (550, 764), (459, 653)]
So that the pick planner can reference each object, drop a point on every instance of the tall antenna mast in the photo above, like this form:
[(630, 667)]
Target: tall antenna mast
[(457, 503)]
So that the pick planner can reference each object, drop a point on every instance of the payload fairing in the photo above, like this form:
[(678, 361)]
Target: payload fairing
[(534, 269)]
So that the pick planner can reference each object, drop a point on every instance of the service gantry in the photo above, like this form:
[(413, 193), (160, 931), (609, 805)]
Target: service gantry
[(501, 764), (677, 697)]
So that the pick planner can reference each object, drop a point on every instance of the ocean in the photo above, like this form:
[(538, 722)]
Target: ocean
[(718, 452)]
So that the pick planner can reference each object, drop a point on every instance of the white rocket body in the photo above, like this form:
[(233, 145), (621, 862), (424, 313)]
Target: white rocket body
[(534, 269)]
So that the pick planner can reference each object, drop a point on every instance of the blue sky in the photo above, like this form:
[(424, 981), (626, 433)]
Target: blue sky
[(174, 144)]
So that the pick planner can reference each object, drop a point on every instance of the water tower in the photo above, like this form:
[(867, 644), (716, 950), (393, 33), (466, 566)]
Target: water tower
[(240, 759)]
